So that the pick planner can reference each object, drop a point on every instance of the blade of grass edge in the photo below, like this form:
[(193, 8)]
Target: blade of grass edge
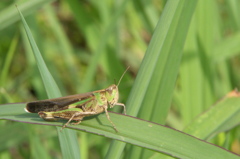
[(68, 138), (153, 52), (226, 112), (8, 15), (222, 116), (102, 44), (132, 130), (162, 84)]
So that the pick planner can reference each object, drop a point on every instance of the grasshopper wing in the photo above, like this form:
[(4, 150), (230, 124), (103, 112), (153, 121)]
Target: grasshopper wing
[(55, 104)]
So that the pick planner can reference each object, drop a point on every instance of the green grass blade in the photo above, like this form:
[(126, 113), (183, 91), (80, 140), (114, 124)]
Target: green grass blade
[(149, 13), (131, 130), (221, 117), (8, 60), (93, 62), (9, 15), (233, 6), (68, 139), (228, 47), (69, 34), (38, 151), (153, 88), (9, 138), (67, 52), (49, 83)]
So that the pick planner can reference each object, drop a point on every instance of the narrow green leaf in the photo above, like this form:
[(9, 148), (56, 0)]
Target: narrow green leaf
[(155, 82), (9, 16), (227, 48), (68, 139), (8, 60), (131, 130), (101, 45), (223, 116), (64, 44)]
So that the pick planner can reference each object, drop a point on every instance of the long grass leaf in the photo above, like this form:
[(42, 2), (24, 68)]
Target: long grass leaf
[(153, 88), (131, 130), (68, 139)]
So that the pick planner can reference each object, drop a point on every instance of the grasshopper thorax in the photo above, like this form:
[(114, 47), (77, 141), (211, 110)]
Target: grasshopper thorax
[(112, 95)]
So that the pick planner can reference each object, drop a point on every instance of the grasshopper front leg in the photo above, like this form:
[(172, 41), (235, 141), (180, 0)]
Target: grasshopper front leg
[(105, 108), (124, 107)]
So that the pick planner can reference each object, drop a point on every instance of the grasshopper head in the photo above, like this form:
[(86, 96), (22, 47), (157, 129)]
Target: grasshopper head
[(112, 95)]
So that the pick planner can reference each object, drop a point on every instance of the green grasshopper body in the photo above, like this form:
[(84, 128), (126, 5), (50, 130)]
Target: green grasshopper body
[(76, 107)]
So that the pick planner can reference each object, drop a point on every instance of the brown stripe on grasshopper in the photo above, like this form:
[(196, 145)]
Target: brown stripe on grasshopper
[(54, 104)]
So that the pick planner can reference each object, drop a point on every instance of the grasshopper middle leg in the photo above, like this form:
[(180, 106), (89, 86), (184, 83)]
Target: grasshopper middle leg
[(83, 114)]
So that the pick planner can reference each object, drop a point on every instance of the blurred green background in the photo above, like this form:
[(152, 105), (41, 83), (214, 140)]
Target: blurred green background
[(87, 45)]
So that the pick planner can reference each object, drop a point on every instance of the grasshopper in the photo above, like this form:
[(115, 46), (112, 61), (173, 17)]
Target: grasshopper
[(76, 107)]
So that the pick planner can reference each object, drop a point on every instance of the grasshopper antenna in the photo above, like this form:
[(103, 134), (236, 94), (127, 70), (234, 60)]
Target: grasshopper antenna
[(122, 75)]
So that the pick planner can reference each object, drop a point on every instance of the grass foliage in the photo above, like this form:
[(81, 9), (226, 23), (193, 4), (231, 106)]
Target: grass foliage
[(184, 65)]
